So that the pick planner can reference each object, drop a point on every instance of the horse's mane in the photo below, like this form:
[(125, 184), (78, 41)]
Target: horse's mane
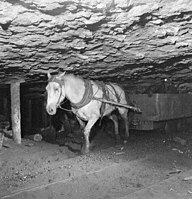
[(76, 82), (73, 77)]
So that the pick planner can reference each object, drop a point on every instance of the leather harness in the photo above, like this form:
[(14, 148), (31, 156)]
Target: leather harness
[(87, 97), (88, 94), (105, 90)]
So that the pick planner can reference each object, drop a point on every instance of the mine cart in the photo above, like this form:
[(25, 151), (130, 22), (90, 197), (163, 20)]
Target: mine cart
[(158, 110)]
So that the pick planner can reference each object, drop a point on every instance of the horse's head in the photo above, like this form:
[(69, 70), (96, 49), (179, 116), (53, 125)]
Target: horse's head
[(55, 93)]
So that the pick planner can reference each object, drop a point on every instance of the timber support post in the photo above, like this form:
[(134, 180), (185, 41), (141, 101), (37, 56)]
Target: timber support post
[(16, 112)]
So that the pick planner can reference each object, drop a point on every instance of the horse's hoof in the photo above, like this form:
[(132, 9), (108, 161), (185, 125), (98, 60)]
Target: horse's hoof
[(84, 150)]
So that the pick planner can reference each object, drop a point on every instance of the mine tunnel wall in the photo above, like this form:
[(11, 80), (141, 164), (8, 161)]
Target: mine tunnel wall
[(33, 113)]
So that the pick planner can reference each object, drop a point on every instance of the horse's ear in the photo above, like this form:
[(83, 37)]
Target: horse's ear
[(61, 75), (48, 75)]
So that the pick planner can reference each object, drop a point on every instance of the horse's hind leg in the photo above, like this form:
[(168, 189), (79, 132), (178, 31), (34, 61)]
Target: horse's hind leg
[(124, 115), (114, 118), (126, 121)]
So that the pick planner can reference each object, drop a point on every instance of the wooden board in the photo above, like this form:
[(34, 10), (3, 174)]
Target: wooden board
[(160, 107)]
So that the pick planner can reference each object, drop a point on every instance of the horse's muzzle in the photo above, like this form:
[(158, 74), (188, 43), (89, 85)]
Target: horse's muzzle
[(51, 110)]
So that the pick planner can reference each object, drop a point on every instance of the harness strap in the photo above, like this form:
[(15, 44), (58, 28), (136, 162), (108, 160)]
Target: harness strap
[(87, 97), (88, 94), (116, 94), (60, 82), (54, 79), (102, 86)]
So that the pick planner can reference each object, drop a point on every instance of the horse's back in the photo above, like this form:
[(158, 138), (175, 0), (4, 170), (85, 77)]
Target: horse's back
[(114, 93), (117, 93), (111, 92)]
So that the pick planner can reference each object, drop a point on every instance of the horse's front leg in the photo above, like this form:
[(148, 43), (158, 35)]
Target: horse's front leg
[(81, 123), (87, 130)]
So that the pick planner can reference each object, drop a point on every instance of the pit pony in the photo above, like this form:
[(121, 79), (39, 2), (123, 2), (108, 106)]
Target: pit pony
[(86, 98)]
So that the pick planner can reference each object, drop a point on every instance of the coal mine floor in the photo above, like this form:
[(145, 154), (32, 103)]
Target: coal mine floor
[(149, 165)]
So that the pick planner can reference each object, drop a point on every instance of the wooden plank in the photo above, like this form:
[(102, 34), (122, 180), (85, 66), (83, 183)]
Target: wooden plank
[(16, 112)]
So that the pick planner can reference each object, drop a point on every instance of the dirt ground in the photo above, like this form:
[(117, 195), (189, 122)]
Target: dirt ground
[(149, 165)]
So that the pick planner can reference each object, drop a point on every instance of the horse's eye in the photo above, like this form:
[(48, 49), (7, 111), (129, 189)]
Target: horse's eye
[(56, 90)]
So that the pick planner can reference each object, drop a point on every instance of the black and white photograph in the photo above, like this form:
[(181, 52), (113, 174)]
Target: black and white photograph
[(95, 99)]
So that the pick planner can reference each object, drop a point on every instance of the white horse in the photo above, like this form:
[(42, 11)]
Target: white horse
[(85, 97)]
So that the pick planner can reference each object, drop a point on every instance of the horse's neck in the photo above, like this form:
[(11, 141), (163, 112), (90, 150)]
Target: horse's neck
[(74, 88)]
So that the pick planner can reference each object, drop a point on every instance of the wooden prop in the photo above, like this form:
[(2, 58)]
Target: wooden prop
[(15, 112)]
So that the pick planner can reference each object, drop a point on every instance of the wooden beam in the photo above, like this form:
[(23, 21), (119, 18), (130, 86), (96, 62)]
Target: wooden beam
[(16, 112)]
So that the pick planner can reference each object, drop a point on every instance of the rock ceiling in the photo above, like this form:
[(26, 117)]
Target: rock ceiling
[(133, 42)]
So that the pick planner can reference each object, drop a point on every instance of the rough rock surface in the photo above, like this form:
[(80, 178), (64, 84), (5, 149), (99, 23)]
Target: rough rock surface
[(133, 42)]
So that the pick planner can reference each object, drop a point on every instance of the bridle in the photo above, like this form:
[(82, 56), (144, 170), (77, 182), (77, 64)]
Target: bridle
[(61, 83)]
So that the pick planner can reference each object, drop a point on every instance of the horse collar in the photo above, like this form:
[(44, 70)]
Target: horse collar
[(87, 97)]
